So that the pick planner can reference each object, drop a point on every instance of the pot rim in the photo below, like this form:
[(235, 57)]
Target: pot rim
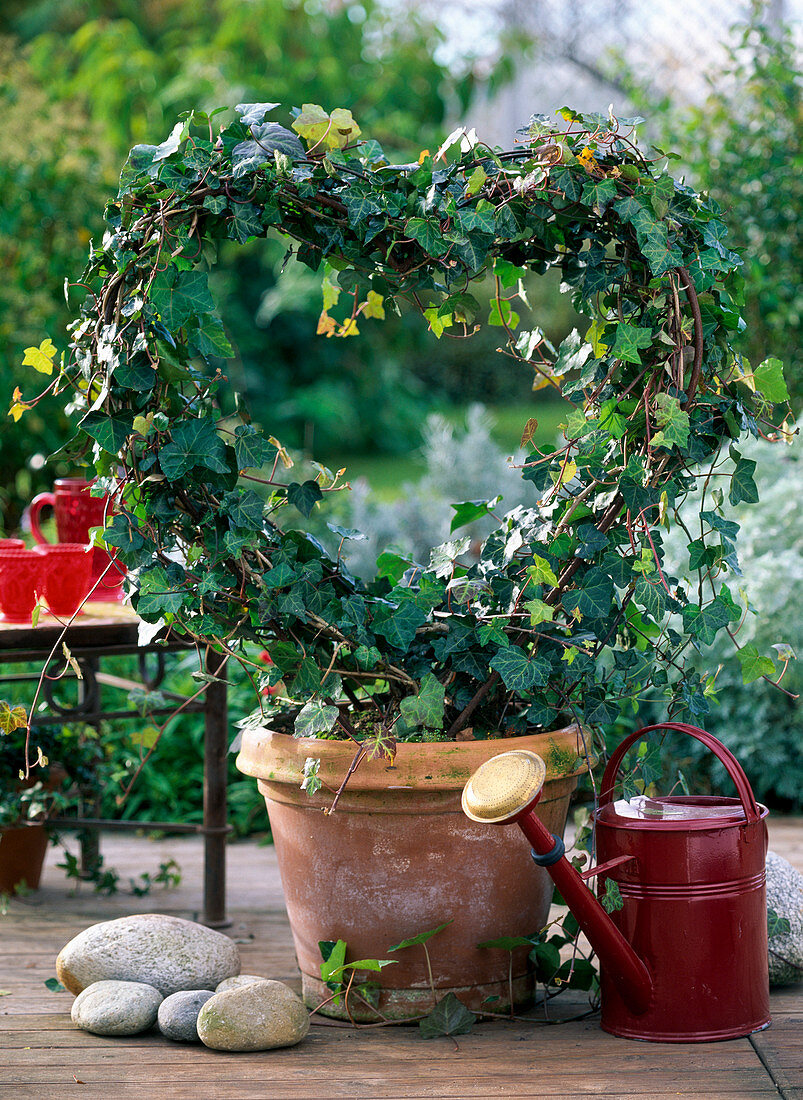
[(434, 765)]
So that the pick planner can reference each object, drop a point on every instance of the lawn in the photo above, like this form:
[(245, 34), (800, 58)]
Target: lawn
[(387, 473)]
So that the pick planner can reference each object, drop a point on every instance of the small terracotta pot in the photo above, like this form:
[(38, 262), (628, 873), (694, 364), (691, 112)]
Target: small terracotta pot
[(22, 856), (398, 857)]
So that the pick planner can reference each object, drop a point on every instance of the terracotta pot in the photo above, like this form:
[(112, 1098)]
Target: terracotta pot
[(398, 857), (22, 856)]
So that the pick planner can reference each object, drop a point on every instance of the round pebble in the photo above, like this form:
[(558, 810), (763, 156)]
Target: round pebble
[(258, 1016), (237, 981), (116, 1008), (166, 952), (785, 897), (178, 1014)]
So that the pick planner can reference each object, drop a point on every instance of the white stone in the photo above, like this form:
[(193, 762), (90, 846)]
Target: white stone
[(116, 1008), (785, 897), (257, 1016), (166, 952), (178, 1014), (237, 981)]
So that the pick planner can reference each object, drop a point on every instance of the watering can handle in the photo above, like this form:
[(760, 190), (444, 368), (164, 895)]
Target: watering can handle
[(723, 754)]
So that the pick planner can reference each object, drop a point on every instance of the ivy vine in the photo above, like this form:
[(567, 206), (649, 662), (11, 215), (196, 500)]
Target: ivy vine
[(569, 608)]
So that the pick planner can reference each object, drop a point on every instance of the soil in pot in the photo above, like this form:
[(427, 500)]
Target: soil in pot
[(398, 857)]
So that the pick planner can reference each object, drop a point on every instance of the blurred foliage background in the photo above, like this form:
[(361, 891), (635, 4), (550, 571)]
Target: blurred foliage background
[(81, 81)]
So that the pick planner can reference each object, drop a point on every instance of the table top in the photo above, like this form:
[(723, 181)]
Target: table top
[(104, 626)]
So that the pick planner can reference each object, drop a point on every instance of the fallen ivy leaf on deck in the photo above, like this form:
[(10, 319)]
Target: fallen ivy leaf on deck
[(449, 1017)]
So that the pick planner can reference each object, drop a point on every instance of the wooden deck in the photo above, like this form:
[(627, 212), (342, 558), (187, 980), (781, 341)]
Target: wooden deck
[(42, 1055)]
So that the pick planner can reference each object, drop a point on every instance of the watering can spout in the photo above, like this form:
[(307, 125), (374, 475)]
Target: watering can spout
[(506, 790)]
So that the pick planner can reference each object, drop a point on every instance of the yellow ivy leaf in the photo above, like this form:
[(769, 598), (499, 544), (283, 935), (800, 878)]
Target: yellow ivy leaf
[(41, 358), (594, 337), (542, 380), (18, 406), (373, 306), (565, 473), (143, 424), (331, 291), (588, 160), (312, 123), (326, 325), (437, 324), (287, 461), (422, 156), (349, 327), (344, 129), (476, 180)]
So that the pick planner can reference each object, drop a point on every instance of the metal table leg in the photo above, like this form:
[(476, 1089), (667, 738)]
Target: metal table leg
[(215, 774)]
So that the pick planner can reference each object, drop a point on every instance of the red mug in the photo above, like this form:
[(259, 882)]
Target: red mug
[(21, 583), (75, 512), (66, 576)]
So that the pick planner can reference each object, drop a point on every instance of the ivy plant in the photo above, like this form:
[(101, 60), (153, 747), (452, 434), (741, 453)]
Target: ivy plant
[(569, 608)]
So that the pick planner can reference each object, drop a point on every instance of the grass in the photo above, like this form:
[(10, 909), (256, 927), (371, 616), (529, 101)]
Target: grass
[(387, 473)]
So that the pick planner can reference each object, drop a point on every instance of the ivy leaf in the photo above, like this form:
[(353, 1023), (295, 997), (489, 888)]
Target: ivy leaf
[(673, 422), (595, 597), (480, 219), (502, 314), (476, 181), (245, 509), (209, 339), (246, 222), (658, 253), (11, 718), (426, 708), (55, 986), (754, 665), (653, 597), (629, 338), (41, 358), (469, 510), (493, 633), (422, 937), (315, 717), (704, 623), (253, 113), (518, 671), (572, 354), (742, 487), (268, 139), (249, 447), (111, 432), (428, 234), (541, 572), (179, 295), (611, 900), (449, 1017), (540, 612), (304, 496), (769, 380), (193, 443), (332, 131), (400, 624)]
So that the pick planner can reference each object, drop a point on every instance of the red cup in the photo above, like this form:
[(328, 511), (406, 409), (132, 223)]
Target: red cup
[(21, 582), (75, 512), (67, 575)]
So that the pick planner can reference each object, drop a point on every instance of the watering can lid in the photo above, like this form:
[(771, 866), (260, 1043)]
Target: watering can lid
[(676, 808)]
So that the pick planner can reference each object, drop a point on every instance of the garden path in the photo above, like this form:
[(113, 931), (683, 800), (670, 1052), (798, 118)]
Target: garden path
[(42, 1054)]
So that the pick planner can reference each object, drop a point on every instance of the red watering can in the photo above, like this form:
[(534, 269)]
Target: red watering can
[(685, 958)]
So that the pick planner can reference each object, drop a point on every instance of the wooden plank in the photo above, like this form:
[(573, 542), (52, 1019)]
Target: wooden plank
[(780, 1049)]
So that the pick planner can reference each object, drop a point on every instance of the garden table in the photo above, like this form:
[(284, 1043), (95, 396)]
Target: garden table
[(104, 630)]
